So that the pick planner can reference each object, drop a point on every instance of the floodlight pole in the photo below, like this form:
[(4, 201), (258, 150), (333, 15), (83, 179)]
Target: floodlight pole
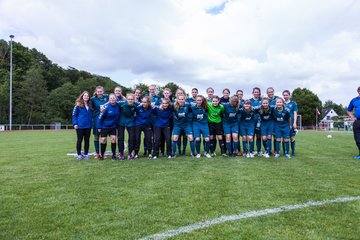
[(11, 69)]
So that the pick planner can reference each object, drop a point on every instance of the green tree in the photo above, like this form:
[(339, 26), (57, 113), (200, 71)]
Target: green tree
[(144, 88), (33, 95), (307, 103), (60, 103), (172, 86), (339, 109)]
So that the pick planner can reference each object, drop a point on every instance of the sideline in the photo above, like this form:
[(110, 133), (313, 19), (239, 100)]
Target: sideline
[(200, 225)]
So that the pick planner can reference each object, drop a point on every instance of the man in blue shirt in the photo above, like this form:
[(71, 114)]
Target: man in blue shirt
[(355, 105)]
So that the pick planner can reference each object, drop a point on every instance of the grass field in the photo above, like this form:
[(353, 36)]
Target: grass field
[(45, 194)]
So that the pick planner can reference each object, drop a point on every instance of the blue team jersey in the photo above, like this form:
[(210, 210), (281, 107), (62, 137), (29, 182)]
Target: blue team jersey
[(162, 116), (355, 104), (272, 101), (143, 116), (191, 101), (230, 114), (82, 117), (199, 115), (266, 114), (281, 117), (97, 103), (291, 107), (182, 115), (109, 117), (127, 113), (247, 116), (256, 104)]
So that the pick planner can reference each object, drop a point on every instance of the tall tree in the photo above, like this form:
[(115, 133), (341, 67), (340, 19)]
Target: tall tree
[(60, 103), (33, 91), (307, 103)]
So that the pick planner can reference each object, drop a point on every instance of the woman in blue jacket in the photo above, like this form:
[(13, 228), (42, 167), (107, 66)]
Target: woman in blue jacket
[(163, 114), (82, 121), (107, 125), (143, 123)]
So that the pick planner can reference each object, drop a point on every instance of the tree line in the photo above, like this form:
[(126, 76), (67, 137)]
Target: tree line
[(44, 92)]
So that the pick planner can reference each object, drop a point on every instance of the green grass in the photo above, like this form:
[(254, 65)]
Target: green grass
[(45, 194)]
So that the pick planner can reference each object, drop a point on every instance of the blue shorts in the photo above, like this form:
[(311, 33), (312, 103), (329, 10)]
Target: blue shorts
[(247, 128), (292, 132), (201, 128), (282, 132), (231, 128), (267, 128), (187, 128)]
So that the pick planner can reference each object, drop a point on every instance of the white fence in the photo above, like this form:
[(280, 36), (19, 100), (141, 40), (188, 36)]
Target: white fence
[(21, 127)]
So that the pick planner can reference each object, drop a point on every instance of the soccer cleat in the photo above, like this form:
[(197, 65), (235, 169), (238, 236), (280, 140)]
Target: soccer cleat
[(357, 157), (251, 155), (240, 154), (266, 155), (130, 157), (113, 157), (207, 155), (260, 154), (101, 157), (277, 155), (224, 155), (79, 157), (154, 157), (87, 157), (121, 156), (254, 153), (169, 157), (97, 156), (198, 155), (248, 155), (174, 156), (287, 155), (244, 154), (150, 156), (213, 154), (136, 157)]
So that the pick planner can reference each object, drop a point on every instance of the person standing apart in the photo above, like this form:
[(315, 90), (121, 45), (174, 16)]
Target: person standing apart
[(355, 105), (82, 121)]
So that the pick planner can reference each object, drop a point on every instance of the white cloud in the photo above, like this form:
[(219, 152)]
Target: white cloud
[(284, 44)]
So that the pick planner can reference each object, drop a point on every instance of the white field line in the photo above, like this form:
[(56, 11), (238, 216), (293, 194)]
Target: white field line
[(200, 225)]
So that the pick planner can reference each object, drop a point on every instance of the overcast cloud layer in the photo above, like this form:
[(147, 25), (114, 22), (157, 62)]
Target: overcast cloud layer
[(237, 44)]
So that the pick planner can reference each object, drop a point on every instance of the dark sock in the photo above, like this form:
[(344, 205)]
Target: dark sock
[(207, 146), (251, 146), (236, 146), (293, 147), (277, 146), (96, 145), (103, 149), (286, 150), (113, 148), (197, 144), (245, 146), (174, 146), (222, 146), (228, 147), (192, 148)]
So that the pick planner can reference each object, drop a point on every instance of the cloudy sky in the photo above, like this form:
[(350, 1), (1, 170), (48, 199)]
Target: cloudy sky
[(237, 44)]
